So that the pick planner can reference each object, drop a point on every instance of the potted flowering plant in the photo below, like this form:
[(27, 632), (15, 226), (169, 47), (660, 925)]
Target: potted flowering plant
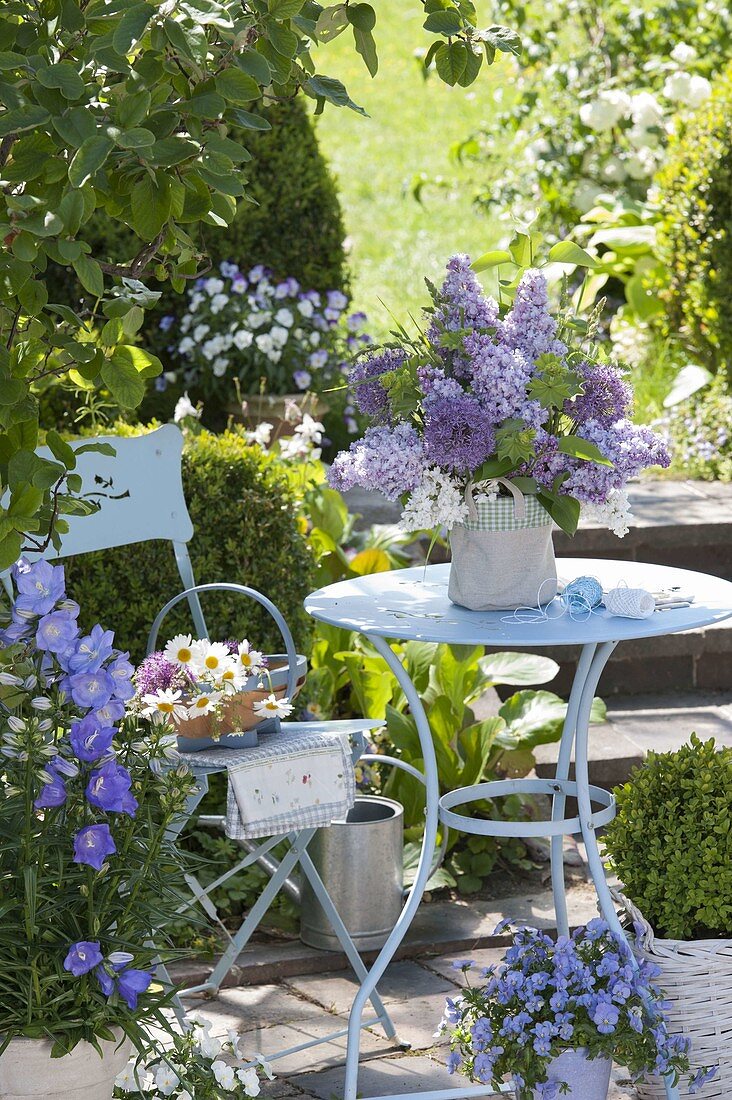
[(553, 1016), (492, 423), (273, 343), (89, 875), (214, 693)]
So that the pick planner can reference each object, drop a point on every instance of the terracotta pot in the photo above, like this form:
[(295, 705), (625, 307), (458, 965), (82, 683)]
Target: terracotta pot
[(28, 1070), (272, 408), (239, 720)]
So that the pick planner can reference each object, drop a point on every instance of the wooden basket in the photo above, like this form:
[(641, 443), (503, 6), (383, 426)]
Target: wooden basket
[(696, 978)]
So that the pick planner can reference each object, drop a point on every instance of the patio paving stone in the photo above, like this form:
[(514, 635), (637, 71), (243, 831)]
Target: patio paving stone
[(402, 981)]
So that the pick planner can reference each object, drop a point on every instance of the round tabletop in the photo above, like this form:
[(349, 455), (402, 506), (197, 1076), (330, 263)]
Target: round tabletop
[(412, 604)]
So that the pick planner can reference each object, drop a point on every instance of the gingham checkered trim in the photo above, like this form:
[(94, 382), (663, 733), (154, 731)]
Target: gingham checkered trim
[(498, 515)]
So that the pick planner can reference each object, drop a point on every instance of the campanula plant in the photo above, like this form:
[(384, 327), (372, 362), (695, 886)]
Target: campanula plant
[(582, 992), (88, 877)]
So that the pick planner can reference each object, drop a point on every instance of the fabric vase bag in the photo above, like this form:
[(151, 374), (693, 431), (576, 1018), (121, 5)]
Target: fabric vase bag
[(503, 555)]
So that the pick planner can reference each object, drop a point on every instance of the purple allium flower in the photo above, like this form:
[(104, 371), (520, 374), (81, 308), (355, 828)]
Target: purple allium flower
[(93, 844), (392, 459), (90, 740), (92, 651), (369, 394), (109, 789), (40, 586), (530, 326), (52, 794), (56, 631), (91, 689), (461, 305), (458, 433), (156, 673), (605, 396), (83, 957)]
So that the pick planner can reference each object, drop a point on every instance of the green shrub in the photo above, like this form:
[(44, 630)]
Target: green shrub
[(297, 228), (246, 530), (695, 233), (671, 842)]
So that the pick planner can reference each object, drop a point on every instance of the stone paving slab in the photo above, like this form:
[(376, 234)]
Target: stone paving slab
[(252, 1007), (402, 981), (269, 1041)]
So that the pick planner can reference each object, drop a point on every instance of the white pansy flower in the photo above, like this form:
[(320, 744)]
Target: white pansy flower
[(184, 407), (186, 345), (284, 317), (258, 318), (209, 1046), (260, 435), (279, 335), (179, 650), (265, 1066), (645, 110), (184, 1095), (310, 430), (218, 302), (126, 1080), (683, 54), (265, 343), (314, 339), (213, 287), (204, 703), (272, 707), (242, 338), (200, 331), (306, 308), (195, 301), (219, 366), (166, 1080), (224, 1074), (297, 447), (186, 323), (250, 1081)]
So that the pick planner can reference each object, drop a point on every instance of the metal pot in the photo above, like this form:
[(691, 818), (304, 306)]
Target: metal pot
[(588, 1078)]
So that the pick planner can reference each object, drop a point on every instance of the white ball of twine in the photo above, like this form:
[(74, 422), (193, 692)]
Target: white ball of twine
[(630, 603)]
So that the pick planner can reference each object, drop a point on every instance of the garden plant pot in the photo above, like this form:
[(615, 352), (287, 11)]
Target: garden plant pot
[(588, 1078), (503, 555), (360, 860), (27, 1070), (239, 725)]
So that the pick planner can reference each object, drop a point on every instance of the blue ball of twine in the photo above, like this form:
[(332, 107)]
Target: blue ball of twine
[(583, 593)]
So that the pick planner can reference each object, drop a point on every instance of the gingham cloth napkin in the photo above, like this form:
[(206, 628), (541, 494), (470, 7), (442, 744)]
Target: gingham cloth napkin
[(292, 780)]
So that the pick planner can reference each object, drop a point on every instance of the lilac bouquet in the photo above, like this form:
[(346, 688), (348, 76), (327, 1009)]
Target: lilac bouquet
[(583, 992), (489, 392), (262, 335), (89, 877)]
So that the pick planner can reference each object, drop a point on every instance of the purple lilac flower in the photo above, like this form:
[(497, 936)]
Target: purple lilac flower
[(369, 394), (605, 396), (500, 375), (52, 794), (90, 740), (630, 447), (109, 789), (530, 326), (458, 433), (462, 305), (83, 957), (390, 458), (56, 631), (40, 586), (91, 689), (93, 844), (92, 651)]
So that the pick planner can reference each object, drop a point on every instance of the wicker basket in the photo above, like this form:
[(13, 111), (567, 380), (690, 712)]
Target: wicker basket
[(238, 715), (696, 977)]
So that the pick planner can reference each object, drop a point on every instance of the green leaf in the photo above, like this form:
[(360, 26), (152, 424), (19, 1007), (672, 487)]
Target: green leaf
[(451, 61), (61, 450), (327, 87), (517, 668), (472, 68), (491, 259), (150, 203), (131, 27), (170, 151), (493, 467), (136, 138), (447, 21), (237, 86), (63, 76), (501, 38), (533, 717), (33, 297), (252, 62), (90, 275), (362, 16), (284, 9), (578, 447), (123, 381), (366, 47), (145, 363), (631, 240), (23, 118), (564, 510), (567, 252), (11, 390), (89, 158), (250, 121), (331, 22), (10, 548)]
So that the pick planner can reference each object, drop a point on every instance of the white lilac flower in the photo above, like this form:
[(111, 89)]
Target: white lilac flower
[(437, 501), (213, 287), (204, 703), (260, 435), (179, 650), (279, 335), (306, 308), (250, 1081), (224, 1074), (242, 338), (285, 317), (645, 110), (165, 703), (604, 112), (166, 1080), (683, 54), (210, 657), (615, 513), (251, 661), (184, 407), (219, 366), (310, 430), (272, 707), (200, 331)]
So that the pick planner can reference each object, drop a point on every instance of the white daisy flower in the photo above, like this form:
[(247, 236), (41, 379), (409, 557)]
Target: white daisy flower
[(232, 680), (165, 703), (210, 656), (250, 660), (272, 707), (179, 650), (204, 703)]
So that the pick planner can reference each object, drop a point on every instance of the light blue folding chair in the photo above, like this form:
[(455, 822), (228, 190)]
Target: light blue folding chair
[(144, 500)]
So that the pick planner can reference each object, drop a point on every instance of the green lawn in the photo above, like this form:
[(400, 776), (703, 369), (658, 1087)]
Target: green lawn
[(396, 241)]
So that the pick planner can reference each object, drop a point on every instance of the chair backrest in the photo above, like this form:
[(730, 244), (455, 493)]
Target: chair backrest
[(140, 493)]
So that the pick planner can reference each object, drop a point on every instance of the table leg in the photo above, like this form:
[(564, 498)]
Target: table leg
[(589, 834), (432, 793)]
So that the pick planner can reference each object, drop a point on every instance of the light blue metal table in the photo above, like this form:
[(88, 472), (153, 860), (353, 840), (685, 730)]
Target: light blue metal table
[(412, 604)]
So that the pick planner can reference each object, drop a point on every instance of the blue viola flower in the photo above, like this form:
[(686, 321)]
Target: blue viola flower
[(454, 1061), (92, 651), (701, 1077), (606, 1017), (83, 957), (93, 844), (109, 789), (90, 740), (53, 793), (56, 631), (91, 689)]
